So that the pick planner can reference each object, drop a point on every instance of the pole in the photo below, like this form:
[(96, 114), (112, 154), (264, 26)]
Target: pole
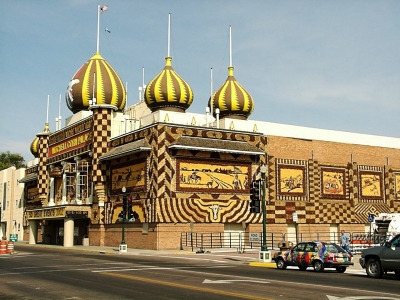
[(123, 232), (264, 244), (124, 216)]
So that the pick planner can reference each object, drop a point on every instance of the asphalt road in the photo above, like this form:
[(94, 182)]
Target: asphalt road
[(49, 273)]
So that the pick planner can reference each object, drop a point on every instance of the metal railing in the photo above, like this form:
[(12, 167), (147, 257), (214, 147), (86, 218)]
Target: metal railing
[(241, 240), (225, 240)]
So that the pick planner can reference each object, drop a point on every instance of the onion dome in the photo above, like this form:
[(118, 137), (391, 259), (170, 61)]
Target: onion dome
[(168, 91), (232, 99), (95, 79), (35, 147)]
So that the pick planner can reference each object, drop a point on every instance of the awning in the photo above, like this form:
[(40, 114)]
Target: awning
[(134, 147), (215, 145), (28, 178)]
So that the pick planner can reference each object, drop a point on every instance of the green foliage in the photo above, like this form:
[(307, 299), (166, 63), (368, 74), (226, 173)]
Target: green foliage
[(8, 159)]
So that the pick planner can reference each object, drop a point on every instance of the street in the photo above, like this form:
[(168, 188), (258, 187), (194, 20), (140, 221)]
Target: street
[(55, 273)]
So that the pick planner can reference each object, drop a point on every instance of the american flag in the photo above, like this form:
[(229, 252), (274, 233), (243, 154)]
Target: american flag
[(104, 8)]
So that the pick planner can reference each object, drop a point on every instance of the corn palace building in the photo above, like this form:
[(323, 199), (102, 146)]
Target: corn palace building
[(187, 172)]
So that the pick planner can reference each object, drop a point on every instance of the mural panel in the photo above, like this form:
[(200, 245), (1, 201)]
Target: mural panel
[(397, 186), (213, 176), (371, 185), (33, 195), (131, 174), (291, 180), (333, 183)]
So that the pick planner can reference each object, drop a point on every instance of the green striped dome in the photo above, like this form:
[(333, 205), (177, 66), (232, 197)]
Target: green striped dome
[(232, 99), (168, 91), (108, 87)]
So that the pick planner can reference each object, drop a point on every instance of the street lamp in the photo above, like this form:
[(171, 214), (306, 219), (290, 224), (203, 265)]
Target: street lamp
[(123, 246), (264, 247)]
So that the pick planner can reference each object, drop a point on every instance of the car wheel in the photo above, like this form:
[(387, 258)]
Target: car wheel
[(303, 268), (374, 268), (280, 264), (341, 269), (397, 273), (318, 266)]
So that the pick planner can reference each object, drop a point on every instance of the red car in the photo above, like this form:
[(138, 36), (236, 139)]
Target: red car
[(319, 255)]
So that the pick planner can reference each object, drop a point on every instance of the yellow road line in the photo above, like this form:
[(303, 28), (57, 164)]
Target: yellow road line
[(188, 287)]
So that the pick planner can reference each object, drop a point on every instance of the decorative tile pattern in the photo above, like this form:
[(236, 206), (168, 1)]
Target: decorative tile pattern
[(101, 137)]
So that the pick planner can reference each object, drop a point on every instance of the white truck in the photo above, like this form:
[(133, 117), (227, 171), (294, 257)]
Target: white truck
[(386, 224)]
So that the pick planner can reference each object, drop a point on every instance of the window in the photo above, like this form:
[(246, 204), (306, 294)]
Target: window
[(310, 247), (300, 247)]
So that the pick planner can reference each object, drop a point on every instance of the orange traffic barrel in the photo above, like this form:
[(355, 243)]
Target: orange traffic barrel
[(3, 247), (10, 247)]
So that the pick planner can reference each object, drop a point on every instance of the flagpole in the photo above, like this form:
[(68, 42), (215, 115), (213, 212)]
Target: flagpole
[(98, 28)]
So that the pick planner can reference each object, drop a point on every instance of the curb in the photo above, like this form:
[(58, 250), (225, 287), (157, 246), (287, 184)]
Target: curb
[(262, 264)]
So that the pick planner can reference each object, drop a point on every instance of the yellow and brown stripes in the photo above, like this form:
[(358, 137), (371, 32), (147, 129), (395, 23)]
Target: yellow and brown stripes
[(232, 99), (173, 210), (97, 73), (168, 90)]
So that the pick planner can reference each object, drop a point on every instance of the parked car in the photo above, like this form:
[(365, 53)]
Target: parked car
[(382, 259), (319, 255)]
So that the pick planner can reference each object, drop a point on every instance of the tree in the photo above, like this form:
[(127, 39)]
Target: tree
[(8, 159)]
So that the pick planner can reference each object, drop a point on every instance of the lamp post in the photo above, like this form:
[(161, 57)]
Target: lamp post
[(123, 247), (264, 247)]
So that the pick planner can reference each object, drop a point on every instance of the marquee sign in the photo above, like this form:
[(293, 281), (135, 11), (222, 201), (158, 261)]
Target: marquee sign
[(56, 212)]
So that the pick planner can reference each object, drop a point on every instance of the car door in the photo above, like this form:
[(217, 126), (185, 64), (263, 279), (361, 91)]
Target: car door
[(297, 254), (309, 250), (390, 257)]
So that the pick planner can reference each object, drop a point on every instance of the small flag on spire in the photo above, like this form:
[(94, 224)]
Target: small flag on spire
[(107, 30), (104, 8)]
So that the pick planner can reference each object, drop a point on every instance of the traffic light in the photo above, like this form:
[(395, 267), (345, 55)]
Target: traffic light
[(255, 196), (131, 217), (122, 214)]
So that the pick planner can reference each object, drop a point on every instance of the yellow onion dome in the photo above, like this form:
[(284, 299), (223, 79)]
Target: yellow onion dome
[(168, 91), (35, 147), (108, 87), (232, 99)]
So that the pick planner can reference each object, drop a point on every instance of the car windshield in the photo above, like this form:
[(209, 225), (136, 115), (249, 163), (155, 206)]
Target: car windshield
[(333, 248)]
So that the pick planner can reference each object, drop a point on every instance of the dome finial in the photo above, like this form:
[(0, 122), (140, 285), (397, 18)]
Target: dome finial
[(168, 91), (231, 98)]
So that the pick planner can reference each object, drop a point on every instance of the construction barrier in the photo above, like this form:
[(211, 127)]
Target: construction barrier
[(3, 247), (10, 247)]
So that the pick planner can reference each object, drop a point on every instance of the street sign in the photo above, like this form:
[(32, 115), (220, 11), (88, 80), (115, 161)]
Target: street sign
[(371, 218), (254, 237), (13, 237)]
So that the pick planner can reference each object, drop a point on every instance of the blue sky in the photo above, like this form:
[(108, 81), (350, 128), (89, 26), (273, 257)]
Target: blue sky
[(324, 64)]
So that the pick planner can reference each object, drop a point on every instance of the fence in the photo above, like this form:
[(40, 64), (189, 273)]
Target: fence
[(228, 240), (241, 240)]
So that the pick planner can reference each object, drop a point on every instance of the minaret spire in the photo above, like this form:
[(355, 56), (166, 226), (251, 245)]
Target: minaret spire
[(230, 46), (169, 34), (47, 110)]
